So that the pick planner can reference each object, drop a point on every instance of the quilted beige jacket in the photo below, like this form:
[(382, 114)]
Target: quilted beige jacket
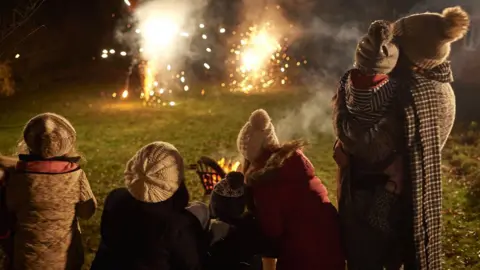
[(47, 200)]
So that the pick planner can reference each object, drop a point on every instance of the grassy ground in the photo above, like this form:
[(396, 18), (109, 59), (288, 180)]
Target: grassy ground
[(110, 132)]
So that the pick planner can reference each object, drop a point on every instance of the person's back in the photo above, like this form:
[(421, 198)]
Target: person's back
[(140, 235), (46, 230), (290, 202), (146, 225), (310, 231), (46, 192)]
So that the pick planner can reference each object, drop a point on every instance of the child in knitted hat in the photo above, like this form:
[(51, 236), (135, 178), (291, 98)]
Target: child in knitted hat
[(238, 249), (361, 121), (228, 200), (289, 201), (47, 191)]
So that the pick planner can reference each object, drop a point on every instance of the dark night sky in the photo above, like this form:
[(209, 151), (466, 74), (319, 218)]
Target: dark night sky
[(72, 31)]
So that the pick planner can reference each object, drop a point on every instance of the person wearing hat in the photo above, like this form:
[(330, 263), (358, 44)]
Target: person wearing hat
[(364, 122), (241, 247), (405, 137), (47, 191), (228, 201), (289, 201), (146, 225)]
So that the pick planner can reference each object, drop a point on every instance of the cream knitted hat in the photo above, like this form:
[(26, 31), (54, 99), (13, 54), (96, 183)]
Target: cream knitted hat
[(155, 172), (49, 135), (425, 38), (256, 135), (375, 52)]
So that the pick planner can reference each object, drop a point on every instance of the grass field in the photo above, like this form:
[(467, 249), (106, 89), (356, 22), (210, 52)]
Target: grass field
[(110, 132)]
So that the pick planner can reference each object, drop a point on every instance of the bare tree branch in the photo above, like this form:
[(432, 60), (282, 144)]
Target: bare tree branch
[(20, 16)]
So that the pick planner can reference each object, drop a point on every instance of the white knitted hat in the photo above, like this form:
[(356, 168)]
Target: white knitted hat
[(256, 135), (155, 172), (49, 135)]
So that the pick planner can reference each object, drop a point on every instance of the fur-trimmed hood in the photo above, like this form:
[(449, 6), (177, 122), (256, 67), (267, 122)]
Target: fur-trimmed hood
[(274, 163)]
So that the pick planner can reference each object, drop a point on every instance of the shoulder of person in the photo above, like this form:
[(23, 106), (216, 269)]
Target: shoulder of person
[(7, 162), (115, 196)]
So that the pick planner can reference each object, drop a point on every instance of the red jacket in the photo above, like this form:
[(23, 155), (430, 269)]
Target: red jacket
[(294, 211)]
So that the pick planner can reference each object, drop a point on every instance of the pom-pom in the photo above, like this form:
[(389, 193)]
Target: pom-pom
[(235, 180), (260, 119), (381, 32), (457, 22)]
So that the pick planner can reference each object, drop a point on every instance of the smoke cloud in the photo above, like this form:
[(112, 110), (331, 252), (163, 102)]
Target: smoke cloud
[(313, 117), (163, 31)]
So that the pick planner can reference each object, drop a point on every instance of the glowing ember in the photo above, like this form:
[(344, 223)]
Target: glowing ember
[(125, 94), (17, 56)]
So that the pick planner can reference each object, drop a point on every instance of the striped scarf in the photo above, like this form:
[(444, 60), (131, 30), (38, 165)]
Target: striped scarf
[(368, 106), (423, 141), (365, 120), (418, 96)]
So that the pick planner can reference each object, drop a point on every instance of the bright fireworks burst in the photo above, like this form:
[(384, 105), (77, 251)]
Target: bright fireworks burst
[(259, 59)]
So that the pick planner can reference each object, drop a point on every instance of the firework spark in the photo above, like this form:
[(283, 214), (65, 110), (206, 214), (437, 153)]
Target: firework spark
[(259, 59)]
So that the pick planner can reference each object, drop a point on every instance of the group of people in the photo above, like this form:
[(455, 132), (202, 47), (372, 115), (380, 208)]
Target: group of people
[(392, 114)]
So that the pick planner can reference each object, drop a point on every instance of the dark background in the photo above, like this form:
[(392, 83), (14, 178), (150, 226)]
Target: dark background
[(60, 39)]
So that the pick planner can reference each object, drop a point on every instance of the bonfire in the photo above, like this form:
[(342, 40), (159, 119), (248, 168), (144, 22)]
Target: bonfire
[(211, 172)]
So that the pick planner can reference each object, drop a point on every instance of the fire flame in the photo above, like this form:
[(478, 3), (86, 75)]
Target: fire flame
[(148, 81), (229, 166)]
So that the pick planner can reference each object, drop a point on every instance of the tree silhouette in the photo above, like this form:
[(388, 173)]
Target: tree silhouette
[(13, 16)]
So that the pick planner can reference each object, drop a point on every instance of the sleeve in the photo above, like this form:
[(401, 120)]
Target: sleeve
[(268, 209), (87, 203), (341, 158), (7, 162), (189, 248)]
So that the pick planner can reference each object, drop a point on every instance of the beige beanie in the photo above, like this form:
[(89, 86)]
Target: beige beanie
[(155, 172), (256, 135), (49, 135), (425, 38), (376, 53)]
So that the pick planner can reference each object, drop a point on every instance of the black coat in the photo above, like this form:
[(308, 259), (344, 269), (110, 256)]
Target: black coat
[(138, 235), (241, 249)]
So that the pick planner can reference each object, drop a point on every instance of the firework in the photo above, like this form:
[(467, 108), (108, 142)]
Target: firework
[(259, 59)]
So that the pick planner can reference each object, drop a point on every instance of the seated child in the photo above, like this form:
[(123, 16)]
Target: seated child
[(240, 247), (228, 201)]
